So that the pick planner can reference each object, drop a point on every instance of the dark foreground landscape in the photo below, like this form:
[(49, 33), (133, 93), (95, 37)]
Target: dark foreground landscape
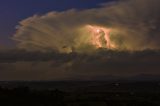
[(80, 93)]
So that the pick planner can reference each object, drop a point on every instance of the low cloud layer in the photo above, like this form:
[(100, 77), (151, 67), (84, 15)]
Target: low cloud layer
[(22, 65), (135, 25)]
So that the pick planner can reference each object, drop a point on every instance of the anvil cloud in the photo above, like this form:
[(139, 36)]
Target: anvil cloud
[(135, 25)]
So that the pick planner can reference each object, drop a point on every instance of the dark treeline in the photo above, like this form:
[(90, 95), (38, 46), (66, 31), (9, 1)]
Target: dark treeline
[(23, 96)]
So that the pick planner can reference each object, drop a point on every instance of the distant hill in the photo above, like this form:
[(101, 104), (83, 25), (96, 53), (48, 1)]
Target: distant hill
[(145, 77), (140, 77)]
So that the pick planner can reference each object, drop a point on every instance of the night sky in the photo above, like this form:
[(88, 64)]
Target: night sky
[(79, 39)]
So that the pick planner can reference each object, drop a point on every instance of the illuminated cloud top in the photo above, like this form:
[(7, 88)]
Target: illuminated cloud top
[(123, 25)]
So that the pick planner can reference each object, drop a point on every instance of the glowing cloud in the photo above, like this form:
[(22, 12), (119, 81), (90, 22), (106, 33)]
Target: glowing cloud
[(101, 36), (123, 25)]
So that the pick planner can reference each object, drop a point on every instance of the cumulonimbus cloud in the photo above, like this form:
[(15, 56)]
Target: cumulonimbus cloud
[(134, 24)]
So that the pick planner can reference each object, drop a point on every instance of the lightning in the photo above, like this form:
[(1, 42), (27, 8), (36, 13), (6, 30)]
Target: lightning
[(100, 36)]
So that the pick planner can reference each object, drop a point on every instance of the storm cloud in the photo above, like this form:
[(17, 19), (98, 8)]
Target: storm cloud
[(134, 24), (56, 45)]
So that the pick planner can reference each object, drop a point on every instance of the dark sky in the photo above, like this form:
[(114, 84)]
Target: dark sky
[(14, 11)]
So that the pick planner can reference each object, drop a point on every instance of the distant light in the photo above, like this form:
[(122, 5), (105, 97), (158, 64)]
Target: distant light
[(117, 84)]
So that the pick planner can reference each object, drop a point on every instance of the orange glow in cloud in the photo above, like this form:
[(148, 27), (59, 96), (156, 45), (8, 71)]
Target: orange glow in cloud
[(100, 36)]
